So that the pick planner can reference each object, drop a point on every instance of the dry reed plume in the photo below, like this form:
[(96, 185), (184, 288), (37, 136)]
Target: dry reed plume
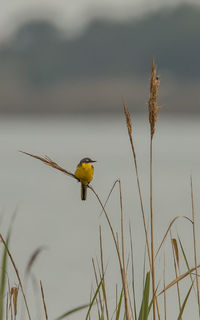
[(153, 108), (48, 161)]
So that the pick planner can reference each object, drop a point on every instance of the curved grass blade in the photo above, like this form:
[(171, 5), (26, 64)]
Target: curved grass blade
[(168, 229), (144, 310), (66, 314), (184, 302)]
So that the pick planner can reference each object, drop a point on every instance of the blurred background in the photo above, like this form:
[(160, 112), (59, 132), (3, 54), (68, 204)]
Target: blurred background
[(64, 66), (76, 57)]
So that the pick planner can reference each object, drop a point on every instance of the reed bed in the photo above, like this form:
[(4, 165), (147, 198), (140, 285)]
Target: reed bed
[(153, 303)]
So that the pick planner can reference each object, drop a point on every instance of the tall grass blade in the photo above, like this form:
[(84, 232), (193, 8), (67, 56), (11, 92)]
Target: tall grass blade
[(145, 299), (93, 299)]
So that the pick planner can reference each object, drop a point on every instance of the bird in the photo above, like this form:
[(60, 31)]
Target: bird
[(84, 173)]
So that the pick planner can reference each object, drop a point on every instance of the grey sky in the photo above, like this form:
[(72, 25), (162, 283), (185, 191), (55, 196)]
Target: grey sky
[(73, 15)]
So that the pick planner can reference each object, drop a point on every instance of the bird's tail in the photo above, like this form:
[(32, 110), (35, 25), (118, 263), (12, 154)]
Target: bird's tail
[(83, 191)]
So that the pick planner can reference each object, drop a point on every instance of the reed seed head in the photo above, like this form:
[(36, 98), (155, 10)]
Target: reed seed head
[(153, 108), (128, 118)]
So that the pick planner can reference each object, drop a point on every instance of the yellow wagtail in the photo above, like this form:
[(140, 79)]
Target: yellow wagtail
[(84, 172)]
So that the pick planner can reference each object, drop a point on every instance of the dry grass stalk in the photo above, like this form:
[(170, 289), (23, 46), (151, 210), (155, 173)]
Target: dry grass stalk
[(129, 127), (17, 274), (153, 110), (130, 303), (123, 254), (43, 299), (103, 273), (181, 277), (48, 161), (165, 297), (195, 245)]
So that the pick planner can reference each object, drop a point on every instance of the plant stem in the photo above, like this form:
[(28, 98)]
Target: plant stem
[(152, 229)]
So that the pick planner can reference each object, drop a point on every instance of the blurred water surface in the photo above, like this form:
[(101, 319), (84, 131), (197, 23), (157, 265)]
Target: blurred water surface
[(51, 214)]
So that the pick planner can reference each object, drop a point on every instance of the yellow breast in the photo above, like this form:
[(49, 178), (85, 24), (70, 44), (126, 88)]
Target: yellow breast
[(84, 172)]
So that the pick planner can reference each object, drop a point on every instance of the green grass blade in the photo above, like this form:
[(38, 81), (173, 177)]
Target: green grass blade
[(93, 299), (184, 302), (151, 303), (144, 310), (119, 306), (66, 314)]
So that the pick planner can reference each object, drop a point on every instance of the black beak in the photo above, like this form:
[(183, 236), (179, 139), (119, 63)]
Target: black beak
[(93, 161)]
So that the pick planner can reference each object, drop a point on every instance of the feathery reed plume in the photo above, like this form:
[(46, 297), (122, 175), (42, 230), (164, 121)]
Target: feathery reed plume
[(128, 118), (153, 108), (48, 161)]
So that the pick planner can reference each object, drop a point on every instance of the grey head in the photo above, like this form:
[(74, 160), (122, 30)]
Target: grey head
[(87, 160)]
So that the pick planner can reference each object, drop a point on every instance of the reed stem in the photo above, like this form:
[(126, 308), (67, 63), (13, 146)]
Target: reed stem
[(152, 229)]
